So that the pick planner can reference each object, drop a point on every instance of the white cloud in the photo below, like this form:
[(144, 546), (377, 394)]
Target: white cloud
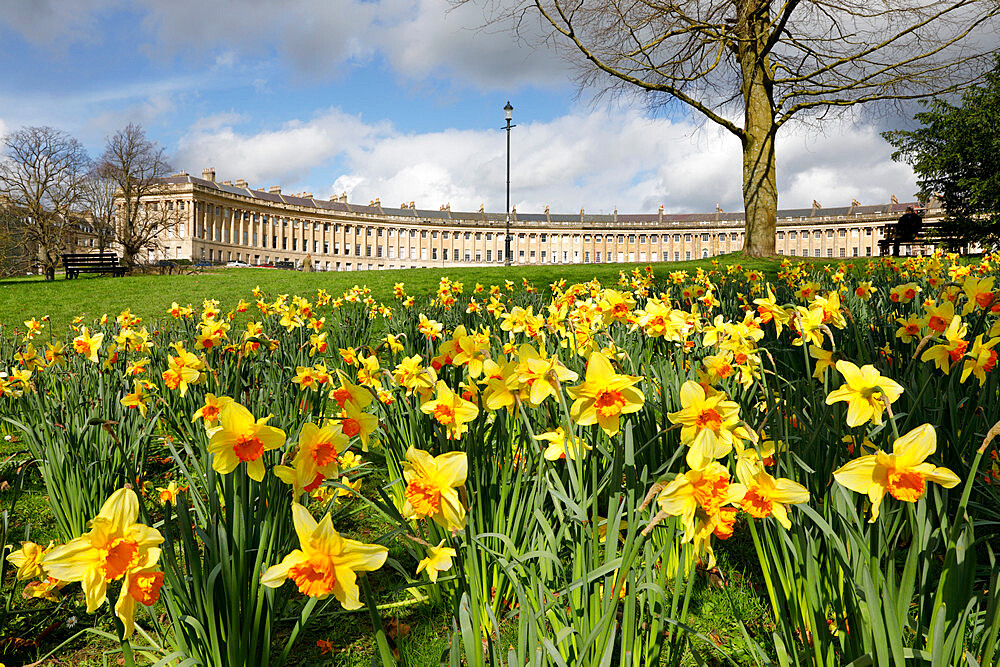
[(598, 161), (283, 155)]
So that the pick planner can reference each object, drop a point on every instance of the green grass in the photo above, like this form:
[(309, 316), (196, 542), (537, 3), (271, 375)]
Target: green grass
[(148, 296)]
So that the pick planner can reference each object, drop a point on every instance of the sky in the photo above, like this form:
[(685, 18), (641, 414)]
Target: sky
[(396, 99)]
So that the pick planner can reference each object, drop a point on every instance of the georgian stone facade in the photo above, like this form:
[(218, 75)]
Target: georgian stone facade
[(223, 222)]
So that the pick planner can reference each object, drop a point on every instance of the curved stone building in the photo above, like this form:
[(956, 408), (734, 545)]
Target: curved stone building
[(228, 221)]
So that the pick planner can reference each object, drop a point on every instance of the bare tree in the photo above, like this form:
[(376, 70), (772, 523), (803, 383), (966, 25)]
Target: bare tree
[(99, 194), (41, 184), (135, 165), (767, 62)]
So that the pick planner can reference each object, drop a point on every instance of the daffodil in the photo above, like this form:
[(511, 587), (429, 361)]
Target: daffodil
[(28, 560), (541, 374), (945, 355), (863, 390), (137, 399), (824, 360), (604, 396), (209, 412), (450, 410), (432, 485), (87, 345), (169, 493), (903, 474), (982, 359), (909, 329), (242, 438), (325, 563), (561, 446), (316, 458), (766, 495), (703, 500), (116, 548), (439, 559), (708, 424), (412, 375), (350, 394)]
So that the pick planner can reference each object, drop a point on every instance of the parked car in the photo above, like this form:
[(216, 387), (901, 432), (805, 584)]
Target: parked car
[(238, 265)]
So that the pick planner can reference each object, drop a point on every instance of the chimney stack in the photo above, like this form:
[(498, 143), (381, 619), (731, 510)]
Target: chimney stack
[(274, 190), (209, 174), (240, 183)]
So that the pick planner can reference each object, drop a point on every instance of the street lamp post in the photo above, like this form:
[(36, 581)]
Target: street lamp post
[(508, 114)]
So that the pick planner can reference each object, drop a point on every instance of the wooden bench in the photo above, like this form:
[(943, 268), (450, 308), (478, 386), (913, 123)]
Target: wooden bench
[(934, 234), (77, 263)]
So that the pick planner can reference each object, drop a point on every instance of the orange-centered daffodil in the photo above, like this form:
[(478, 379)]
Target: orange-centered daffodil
[(903, 474), (325, 562), (604, 395), (242, 438)]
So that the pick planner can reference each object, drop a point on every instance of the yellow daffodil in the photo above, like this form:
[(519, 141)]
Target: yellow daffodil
[(325, 563), (242, 438), (412, 375), (115, 548), (904, 473), (450, 410), (28, 560), (439, 559), (169, 493), (209, 412), (432, 485), (863, 390), (350, 394), (766, 495), (703, 500), (982, 359), (604, 396), (824, 360), (708, 424), (949, 353), (305, 378), (137, 399), (88, 345), (316, 458), (909, 329), (562, 447), (541, 374)]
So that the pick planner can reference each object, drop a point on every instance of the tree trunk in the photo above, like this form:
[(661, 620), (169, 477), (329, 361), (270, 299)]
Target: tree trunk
[(128, 257), (47, 263), (760, 191)]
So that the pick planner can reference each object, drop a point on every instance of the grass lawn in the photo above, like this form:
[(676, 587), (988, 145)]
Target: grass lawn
[(150, 295)]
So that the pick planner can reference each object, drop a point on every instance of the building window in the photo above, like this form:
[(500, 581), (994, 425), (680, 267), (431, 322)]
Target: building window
[(489, 255), (434, 253), (597, 256)]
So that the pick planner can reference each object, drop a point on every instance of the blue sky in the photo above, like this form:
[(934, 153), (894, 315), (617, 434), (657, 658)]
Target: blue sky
[(396, 99)]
